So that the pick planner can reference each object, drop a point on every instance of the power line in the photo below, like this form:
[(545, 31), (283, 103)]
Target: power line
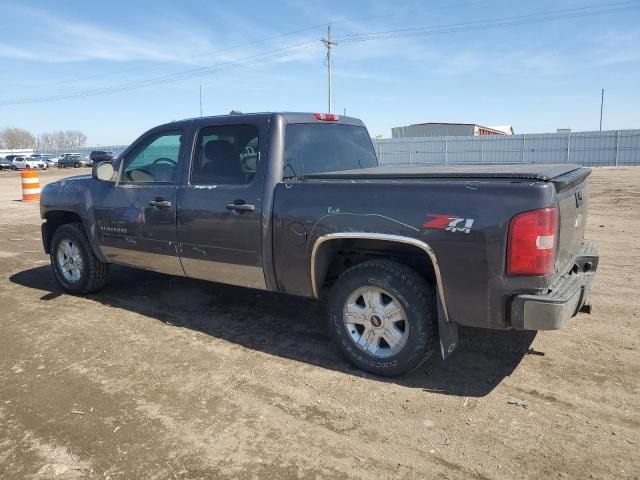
[(167, 62), (202, 71), (490, 24), (348, 38), (631, 3), (235, 47), (601, 108), (448, 6)]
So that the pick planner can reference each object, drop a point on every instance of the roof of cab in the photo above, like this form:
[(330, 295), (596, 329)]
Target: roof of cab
[(290, 117)]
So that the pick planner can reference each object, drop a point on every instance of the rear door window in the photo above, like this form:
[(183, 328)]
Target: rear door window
[(225, 155)]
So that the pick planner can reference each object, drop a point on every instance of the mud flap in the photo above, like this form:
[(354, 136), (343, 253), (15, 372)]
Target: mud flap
[(448, 333)]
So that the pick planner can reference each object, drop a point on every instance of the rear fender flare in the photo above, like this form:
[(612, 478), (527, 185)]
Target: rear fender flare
[(425, 247)]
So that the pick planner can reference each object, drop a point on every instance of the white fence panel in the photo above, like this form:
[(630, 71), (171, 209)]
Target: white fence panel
[(612, 147), (628, 148)]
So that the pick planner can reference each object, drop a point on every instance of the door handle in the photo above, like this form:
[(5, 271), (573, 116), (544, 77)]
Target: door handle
[(159, 203), (241, 207)]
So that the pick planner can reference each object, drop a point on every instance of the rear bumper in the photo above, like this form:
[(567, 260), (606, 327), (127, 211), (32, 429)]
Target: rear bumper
[(563, 300)]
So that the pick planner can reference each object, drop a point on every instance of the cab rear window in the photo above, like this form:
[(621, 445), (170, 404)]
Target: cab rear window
[(317, 148)]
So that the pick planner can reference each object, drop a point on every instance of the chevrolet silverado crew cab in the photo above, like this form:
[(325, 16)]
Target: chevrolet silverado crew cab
[(296, 203)]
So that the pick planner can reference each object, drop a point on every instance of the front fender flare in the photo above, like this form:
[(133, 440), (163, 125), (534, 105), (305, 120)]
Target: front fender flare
[(65, 216)]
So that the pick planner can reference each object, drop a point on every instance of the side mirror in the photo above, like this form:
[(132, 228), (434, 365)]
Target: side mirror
[(103, 172)]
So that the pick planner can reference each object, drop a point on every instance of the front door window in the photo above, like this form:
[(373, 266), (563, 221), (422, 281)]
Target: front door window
[(155, 161)]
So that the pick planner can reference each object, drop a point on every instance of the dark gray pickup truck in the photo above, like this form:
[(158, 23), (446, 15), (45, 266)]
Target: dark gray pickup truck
[(296, 203)]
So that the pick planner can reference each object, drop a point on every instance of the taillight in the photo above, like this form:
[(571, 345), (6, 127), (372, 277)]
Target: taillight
[(532, 242), (326, 117)]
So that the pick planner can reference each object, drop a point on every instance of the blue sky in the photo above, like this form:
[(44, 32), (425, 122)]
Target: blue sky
[(537, 77)]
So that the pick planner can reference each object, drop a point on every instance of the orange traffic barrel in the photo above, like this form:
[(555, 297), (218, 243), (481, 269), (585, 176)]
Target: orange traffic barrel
[(30, 186)]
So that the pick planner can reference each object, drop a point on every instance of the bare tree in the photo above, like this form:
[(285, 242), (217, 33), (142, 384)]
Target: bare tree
[(46, 141), (15, 138), (75, 138), (62, 139), (59, 139)]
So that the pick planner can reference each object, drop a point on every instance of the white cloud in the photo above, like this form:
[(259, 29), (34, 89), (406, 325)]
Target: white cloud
[(9, 51), (166, 38), (500, 62), (169, 37), (72, 41), (616, 47)]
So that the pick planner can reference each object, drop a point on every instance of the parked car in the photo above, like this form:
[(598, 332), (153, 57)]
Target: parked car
[(11, 157), (68, 155), (5, 164), (52, 161), (402, 254), (49, 159), (74, 160), (28, 163), (101, 156)]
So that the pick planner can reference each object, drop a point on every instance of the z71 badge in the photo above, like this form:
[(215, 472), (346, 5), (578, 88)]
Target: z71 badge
[(449, 223)]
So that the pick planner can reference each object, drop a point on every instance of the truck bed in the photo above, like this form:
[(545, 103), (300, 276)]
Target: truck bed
[(404, 197)]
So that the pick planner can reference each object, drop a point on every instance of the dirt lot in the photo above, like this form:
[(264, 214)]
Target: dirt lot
[(161, 377)]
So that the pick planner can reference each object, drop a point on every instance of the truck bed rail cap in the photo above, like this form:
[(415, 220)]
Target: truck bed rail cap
[(541, 172)]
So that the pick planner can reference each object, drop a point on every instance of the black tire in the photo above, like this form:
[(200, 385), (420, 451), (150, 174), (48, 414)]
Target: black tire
[(93, 276), (76, 165), (413, 293)]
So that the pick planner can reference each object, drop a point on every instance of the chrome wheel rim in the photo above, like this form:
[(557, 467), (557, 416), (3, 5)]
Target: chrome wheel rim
[(376, 322), (69, 260)]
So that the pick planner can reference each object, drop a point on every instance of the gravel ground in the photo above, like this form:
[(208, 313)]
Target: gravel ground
[(163, 377)]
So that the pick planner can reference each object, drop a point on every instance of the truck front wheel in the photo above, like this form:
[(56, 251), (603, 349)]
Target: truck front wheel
[(76, 267), (382, 316)]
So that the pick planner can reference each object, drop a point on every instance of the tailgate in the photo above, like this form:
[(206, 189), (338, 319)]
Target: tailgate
[(573, 196)]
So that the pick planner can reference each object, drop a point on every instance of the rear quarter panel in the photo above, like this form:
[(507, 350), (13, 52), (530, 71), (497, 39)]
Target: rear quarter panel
[(472, 264)]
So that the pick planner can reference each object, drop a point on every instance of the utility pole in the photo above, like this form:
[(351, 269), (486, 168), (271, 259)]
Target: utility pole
[(329, 44), (201, 100), (601, 108)]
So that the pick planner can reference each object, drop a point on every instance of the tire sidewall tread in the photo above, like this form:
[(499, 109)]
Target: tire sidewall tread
[(416, 296), (94, 272)]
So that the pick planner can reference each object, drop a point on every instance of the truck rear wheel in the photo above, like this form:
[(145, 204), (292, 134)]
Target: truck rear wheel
[(382, 316), (75, 266)]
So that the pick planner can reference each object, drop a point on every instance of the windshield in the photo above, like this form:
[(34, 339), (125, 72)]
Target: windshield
[(316, 148)]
